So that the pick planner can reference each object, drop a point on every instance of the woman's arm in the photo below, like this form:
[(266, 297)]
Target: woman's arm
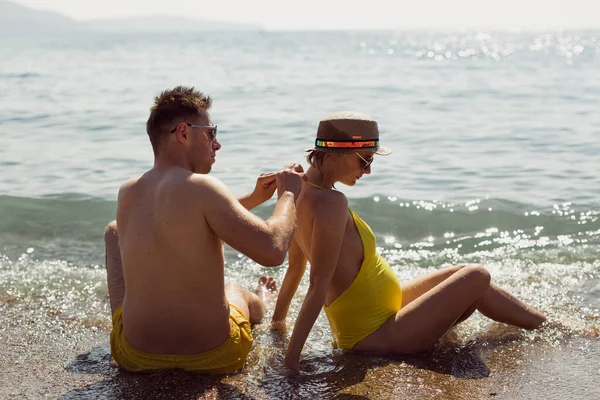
[(329, 227), (263, 191), (293, 276)]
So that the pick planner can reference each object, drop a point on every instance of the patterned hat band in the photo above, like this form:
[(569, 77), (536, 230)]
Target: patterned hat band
[(346, 144)]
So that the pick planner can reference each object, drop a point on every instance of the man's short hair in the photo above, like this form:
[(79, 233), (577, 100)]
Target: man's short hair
[(171, 107)]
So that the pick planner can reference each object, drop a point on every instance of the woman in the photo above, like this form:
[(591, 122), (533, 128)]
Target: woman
[(364, 303)]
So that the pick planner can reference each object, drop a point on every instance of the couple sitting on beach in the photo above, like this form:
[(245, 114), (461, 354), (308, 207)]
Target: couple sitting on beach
[(170, 305)]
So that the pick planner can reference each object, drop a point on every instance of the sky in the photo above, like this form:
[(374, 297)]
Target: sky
[(349, 14)]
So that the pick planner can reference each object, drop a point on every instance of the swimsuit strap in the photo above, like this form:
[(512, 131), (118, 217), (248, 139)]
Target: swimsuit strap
[(315, 185)]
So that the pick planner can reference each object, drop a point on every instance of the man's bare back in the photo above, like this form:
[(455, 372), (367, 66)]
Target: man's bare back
[(173, 265), (165, 261)]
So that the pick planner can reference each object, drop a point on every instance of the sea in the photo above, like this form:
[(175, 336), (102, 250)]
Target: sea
[(495, 140)]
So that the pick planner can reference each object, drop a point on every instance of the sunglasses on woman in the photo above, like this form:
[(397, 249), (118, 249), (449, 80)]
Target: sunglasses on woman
[(367, 162)]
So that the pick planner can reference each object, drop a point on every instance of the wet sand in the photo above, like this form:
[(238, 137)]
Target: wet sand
[(52, 356)]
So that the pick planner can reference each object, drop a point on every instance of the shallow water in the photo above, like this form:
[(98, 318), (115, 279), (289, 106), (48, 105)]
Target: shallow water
[(495, 141)]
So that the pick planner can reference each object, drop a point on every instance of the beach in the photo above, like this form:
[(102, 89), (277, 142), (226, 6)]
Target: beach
[(495, 138), (78, 366)]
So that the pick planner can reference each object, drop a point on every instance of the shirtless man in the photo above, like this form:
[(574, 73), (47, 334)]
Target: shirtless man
[(165, 266)]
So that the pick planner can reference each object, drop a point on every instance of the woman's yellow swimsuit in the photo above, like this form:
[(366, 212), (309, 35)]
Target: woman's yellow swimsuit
[(370, 300)]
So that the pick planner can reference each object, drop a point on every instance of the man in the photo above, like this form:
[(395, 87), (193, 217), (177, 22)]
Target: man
[(164, 253)]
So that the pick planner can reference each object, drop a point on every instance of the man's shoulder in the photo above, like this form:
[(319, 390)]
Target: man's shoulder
[(173, 179), (204, 185), (128, 186), (129, 183), (204, 181), (194, 187), (175, 183)]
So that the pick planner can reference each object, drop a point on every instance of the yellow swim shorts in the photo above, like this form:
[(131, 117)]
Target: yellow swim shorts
[(229, 357)]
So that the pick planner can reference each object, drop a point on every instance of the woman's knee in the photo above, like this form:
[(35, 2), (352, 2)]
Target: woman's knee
[(453, 269), (478, 274)]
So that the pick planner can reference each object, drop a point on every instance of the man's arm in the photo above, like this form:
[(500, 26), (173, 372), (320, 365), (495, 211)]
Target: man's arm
[(265, 242)]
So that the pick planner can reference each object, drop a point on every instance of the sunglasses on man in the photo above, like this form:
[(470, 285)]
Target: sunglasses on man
[(212, 133)]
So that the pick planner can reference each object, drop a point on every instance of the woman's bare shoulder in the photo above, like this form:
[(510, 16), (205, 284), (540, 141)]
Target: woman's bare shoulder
[(322, 203)]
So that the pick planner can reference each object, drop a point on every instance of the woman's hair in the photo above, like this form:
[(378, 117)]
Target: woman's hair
[(316, 159)]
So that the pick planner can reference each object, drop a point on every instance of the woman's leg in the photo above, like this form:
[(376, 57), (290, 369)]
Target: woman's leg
[(418, 286), (496, 303), (422, 284), (444, 298), (418, 325), (501, 306)]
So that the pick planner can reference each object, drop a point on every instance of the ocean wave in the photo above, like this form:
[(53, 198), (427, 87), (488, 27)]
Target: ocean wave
[(70, 226), (72, 213)]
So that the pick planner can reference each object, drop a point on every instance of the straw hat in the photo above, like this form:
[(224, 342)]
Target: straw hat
[(348, 131)]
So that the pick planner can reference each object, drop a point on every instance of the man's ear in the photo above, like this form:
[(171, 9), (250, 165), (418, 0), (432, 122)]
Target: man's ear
[(180, 132)]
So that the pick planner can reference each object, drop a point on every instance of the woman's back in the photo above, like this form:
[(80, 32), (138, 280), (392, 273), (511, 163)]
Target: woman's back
[(363, 291), (312, 203)]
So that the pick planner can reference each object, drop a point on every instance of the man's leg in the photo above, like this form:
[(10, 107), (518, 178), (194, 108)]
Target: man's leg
[(114, 267), (251, 304)]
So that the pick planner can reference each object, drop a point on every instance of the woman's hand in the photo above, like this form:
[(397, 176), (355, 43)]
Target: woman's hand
[(266, 184)]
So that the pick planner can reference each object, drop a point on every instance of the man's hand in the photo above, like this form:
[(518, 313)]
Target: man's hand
[(290, 179)]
